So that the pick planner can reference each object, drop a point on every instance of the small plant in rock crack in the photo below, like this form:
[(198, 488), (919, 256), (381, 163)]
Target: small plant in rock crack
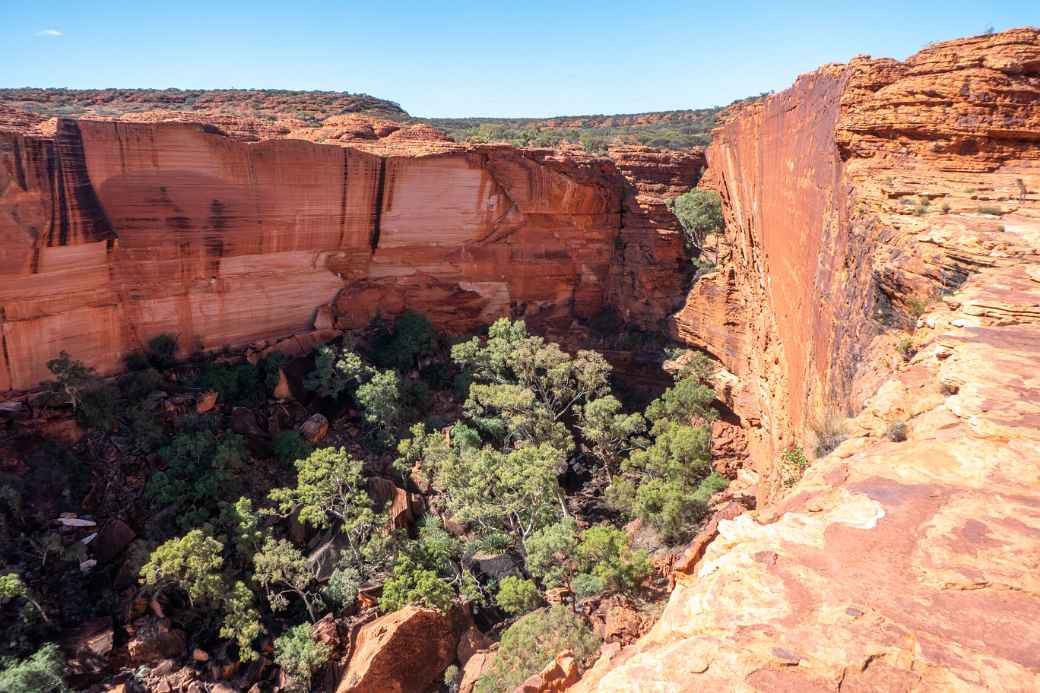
[(793, 464), (905, 347), (896, 431)]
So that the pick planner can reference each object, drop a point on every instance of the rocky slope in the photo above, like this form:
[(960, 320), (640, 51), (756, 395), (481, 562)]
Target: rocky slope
[(114, 232), (880, 259)]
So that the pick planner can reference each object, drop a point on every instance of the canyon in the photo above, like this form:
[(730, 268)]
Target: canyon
[(875, 303)]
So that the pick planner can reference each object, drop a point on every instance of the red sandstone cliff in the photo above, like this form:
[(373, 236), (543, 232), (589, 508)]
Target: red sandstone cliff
[(114, 232), (874, 205)]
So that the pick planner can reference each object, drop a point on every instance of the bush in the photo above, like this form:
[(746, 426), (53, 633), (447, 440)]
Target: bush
[(40, 673), (290, 446), (234, 383), (896, 431), (411, 338), (793, 464), (905, 347), (992, 211), (532, 642), (299, 656), (162, 351), (517, 596), (830, 432), (700, 214), (411, 583)]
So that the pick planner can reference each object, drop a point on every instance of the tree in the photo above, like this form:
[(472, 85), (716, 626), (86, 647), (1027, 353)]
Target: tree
[(12, 587), (551, 553), (532, 642), (330, 486), (503, 493), (609, 433), (685, 401), (411, 583), (700, 214), (280, 569), (299, 656), (380, 399), (524, 386), (517, 596), (72, 378), (241, 621), (665, 484), (326, 379), (191, 563), (40, 673), (606, 555)]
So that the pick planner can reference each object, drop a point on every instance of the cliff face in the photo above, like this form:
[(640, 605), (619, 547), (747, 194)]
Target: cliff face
[(872, 206), (114, 232)]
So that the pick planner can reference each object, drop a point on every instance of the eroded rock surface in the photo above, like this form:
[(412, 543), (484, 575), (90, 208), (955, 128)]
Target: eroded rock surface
[(114, 232), (893, 564)]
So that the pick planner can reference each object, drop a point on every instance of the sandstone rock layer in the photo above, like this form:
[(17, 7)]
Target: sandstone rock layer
[(880, 259), (114, 232)]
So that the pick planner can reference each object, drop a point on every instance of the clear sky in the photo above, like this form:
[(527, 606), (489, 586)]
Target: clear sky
[(519, 58)]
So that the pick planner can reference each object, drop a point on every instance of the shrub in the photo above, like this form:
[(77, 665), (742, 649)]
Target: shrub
[(517, 596), (40, 673), (990, 210), (290, 446), (917, 306), (905, 347), (411, 583), (343, 586), (411, 338), (896, 431), (700, 214), (793, 464), (137, 385), (162, 351), (829, 433), (532, 642), (299, 656), (234, 383)]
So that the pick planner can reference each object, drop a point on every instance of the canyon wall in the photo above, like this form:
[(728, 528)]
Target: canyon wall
[(881, 260), (114, 232)]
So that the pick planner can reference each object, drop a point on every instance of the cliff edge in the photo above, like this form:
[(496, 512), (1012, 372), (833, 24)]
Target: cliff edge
[(880, 267)]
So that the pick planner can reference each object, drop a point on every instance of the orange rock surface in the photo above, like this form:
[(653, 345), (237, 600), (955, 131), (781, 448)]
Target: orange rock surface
[(114, 232), (893, 564)]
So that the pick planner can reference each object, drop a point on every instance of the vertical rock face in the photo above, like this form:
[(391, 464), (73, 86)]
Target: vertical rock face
[(114, 232), (870, 204)]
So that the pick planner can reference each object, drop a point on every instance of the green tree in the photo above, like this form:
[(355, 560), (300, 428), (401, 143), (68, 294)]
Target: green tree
[(685, 401), (192, 564), (700, 214), (380, 399), (532, 642), (330, 487), (12, 587), (279, 570), (411, 583), (517, 596), (412, 338), (299, 656), (551, 553), (503, 493), (241, 621), (606, 555), (609, 433), (40, 673)]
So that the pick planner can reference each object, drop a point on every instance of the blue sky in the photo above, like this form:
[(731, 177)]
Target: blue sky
[(521, 58)]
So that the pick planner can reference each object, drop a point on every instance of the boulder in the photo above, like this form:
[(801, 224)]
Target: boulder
[(556, 677), (399, 504), (113, 538), (474, 668), (206, 402), (314, 429), (87, 648), (152, 639), (401, 652), (471, 642)]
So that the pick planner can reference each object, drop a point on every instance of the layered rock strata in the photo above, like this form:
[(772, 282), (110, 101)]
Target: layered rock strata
[(114, 232), (881, 259)]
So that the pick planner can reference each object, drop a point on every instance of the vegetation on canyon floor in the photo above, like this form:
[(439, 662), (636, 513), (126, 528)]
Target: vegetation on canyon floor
[(522, 453)]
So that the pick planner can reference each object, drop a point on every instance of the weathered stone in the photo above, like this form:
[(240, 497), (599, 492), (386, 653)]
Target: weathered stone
[(474, 668), (206, 402), (152, 639), (403, 651), (314, 429), (113, 538)]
